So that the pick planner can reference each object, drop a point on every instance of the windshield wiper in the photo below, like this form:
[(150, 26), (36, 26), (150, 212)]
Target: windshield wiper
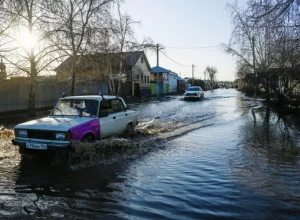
[(79, 110), (59, 110), (79, 113)]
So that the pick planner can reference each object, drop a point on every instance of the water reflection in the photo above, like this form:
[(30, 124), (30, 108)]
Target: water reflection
[(243, 162), (50, 190), (267, 159), (265, 129)]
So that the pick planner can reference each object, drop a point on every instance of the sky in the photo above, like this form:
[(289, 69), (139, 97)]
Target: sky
[(180, 25)]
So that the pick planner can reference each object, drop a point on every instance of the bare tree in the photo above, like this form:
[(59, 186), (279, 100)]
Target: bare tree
[(26, 38), (266, 41), (119, 44), (212, 75), (249, 42), (123, 41), (276, 9), (242, 70), (74, 25)]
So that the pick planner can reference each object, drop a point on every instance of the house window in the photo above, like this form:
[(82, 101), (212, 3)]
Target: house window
[(148, 80), (142, 59), (145, 80), (138, 77)]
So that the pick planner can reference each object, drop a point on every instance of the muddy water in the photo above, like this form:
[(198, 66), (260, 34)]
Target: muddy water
[(224, 157)]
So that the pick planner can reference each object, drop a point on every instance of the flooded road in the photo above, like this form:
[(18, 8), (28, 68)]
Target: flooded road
[(224, 157)]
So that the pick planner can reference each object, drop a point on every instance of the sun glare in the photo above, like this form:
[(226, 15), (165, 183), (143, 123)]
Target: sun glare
[(27, 40)]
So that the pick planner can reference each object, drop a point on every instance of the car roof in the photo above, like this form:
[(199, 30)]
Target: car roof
[(91, 97), (198, 87)]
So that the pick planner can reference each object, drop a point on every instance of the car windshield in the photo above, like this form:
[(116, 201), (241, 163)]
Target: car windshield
[(193, 89), (76, 107)]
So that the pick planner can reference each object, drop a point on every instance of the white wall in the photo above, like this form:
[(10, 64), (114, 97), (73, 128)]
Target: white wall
[(143, 72)]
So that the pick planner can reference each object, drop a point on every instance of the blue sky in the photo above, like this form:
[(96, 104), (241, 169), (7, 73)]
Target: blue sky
[(186, 24)]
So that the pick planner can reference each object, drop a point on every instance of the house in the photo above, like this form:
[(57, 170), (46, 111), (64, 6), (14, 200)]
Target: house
[(188, 82), (180, 85), (172, 82), (167, 80), (207, 85), (132, 68)]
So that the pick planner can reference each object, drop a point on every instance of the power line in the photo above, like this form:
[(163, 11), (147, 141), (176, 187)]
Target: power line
[(174, 60), (192, 48), (198, 71)]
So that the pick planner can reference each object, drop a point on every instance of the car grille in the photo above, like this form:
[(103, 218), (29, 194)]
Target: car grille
[(39, 134), (191, 94)]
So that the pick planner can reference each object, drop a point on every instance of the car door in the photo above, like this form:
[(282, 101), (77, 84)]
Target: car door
[(107, 119), (120, 114)]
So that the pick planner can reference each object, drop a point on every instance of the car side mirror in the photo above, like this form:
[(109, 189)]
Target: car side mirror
[(50, 112)]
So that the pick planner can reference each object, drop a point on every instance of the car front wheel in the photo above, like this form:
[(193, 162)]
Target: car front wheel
[(88, 138)]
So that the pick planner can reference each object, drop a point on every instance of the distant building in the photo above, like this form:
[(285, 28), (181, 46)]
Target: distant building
[(167, 80), (47, 78), (188, 82), (19, 79), (180, 85), (95, 67)]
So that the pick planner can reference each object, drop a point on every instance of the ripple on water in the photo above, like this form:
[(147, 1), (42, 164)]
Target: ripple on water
[(222, 167)]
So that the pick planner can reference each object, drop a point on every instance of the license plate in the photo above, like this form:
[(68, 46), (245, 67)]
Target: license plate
[(36, 146)]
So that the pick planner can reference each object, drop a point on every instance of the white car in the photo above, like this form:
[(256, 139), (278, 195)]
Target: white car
[(193, 93), (76, 118)]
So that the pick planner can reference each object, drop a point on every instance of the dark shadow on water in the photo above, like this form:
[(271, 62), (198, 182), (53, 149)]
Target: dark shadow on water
[(44, 176), (266, 161), (84, 189), (272, 132), (74, 193)]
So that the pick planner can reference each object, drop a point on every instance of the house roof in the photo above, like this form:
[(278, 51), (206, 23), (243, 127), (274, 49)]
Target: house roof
[(180, 79), (89, 60), (159, 69)]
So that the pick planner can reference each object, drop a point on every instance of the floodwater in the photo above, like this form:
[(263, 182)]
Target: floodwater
[(227, 156)]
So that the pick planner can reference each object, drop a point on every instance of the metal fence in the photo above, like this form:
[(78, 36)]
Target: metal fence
[(15, 97)]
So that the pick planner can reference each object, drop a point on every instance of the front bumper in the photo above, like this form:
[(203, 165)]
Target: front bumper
[(50, 144), (191, 97)]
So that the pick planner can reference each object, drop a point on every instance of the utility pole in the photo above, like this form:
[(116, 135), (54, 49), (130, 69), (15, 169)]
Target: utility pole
[(157, 63), (193, 74), (254, 72), (157, 56)]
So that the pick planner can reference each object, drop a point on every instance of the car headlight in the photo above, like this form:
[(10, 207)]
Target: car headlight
[(60, 136), (22, 133)]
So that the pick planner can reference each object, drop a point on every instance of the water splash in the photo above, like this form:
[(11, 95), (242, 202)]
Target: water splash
[(150, 135), (108, 151), (7, 150)]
